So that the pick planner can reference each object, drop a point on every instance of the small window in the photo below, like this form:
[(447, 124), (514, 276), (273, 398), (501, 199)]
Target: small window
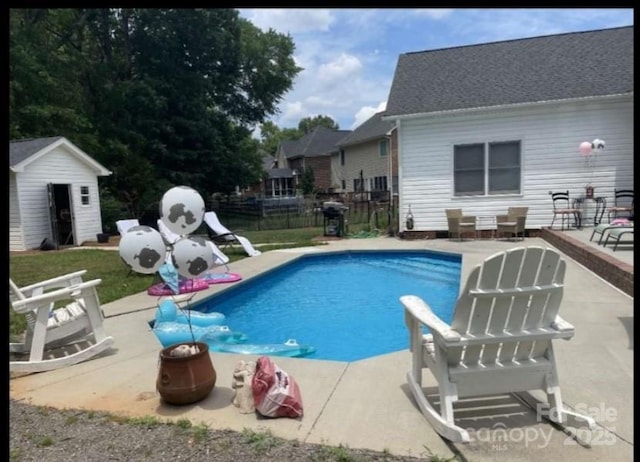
[(344, 185), (383, 147), (84, 195), (341, 156)]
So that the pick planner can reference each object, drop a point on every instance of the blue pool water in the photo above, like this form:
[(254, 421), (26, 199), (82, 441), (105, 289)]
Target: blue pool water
[(346, 305)]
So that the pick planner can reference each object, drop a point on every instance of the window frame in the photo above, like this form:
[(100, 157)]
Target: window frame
[(383, 142), (487, 168), (85, 196)]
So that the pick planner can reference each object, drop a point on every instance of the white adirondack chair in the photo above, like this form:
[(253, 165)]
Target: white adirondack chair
[(499, 340), (58, 337)]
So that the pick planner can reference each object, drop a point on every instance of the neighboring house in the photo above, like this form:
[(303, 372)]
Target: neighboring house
[(485, 127), (53, 193), (313, 150), (365, 162)]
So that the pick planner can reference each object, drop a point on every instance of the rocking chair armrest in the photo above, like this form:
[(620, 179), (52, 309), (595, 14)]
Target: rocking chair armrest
[(561, 325), (57, 281), (421, 311), (29, 304)]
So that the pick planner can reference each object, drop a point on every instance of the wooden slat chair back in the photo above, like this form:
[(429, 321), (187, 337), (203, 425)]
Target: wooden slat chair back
[(500, 337), (76, 328)]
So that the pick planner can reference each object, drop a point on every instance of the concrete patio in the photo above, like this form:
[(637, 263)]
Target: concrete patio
[(366, 404)]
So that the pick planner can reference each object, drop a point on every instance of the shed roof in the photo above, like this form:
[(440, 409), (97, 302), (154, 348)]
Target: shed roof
[(23, 152), (547, 68)]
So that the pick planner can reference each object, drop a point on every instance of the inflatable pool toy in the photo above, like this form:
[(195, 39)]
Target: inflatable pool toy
[(168, 311), (169, 333), (290, 348), (220, 278), (185, 286)]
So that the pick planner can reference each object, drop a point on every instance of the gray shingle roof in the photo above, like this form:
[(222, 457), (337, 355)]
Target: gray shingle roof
[(553, 67), (321, 141), (372, 128), (20, 150)]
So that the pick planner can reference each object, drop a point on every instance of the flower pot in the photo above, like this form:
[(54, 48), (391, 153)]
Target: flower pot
[(187, 379), (102, 237)]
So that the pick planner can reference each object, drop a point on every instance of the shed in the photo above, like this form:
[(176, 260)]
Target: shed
[(53, 193)]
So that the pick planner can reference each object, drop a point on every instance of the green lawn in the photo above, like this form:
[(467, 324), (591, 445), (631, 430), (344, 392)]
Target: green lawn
[(117, 281)]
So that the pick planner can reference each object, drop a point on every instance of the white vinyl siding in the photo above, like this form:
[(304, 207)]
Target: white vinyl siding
[(550, 135)]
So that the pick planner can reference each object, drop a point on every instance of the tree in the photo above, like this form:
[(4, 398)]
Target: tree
[(307, 124), (272, 135), (159, 96), (308, 181)]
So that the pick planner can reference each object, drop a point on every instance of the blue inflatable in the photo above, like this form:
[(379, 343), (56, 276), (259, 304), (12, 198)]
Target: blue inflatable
[(168, 311), (290, 348), (169, 333)]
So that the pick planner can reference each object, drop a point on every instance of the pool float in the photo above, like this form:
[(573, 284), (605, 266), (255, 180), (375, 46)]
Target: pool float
[(169, 333), (219, 278), (290, 348), (184, 286), (168, 311)]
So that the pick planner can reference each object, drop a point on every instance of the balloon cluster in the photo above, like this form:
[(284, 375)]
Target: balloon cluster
[(144, 250), (587, 147)]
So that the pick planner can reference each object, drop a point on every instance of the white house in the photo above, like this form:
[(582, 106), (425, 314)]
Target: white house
[(53, 193), (485, 127)]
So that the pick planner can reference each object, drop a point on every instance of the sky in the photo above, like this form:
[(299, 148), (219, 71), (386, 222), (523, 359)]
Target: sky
[(349, 55)]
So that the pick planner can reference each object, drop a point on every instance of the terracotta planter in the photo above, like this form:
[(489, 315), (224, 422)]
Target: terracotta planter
[(185, 380)]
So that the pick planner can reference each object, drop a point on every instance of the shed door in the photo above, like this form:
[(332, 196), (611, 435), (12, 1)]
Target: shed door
[(60, 212)]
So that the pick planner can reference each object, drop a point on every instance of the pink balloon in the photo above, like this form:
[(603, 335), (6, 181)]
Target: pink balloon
[(585, 148)]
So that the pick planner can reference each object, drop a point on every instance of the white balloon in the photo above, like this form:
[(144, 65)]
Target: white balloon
[(142, 249), (182, 209), (192, 256)]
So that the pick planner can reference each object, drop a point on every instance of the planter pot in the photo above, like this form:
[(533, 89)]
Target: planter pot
[(102, 237), (187, 379)]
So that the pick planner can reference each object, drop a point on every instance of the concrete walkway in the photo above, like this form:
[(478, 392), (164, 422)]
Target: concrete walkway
[(366, 404)]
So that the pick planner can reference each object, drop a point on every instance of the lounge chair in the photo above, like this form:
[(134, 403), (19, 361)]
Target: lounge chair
[(603, 228), (62, 336), (222, 236), (513, 223), (499, 341), (124, 225), (170, 238), (616, 235)]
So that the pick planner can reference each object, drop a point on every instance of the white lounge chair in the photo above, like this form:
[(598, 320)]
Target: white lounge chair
[(222, 236), (58, 337), (500, 338), (170, 238), (124, 225)]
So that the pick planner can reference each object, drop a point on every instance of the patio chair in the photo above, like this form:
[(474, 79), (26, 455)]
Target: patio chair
[(124, 225), (513, 223), (563, 206), (616, 236), (499, 340), (459, 224), (222, 236), (58, 337), (622, 204), (603, 229)]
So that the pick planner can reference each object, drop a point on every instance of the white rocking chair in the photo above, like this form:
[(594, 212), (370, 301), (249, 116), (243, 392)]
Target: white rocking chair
[(58, 337), (500, 338)]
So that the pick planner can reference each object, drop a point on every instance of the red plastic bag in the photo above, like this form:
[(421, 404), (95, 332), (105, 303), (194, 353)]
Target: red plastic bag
[(275, 393)]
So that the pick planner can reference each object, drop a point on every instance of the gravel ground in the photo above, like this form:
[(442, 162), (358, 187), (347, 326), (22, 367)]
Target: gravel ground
[(46, 434)]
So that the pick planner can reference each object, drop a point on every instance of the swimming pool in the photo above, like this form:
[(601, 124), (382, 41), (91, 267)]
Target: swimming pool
[(344, 304)]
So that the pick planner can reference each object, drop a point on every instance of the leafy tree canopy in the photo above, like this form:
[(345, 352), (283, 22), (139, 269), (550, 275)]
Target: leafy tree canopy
[(159, 96)]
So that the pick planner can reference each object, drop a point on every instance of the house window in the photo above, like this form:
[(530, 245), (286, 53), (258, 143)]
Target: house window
[(84, 195), (380, 183), (358, 186), (383, 147), (487, 168), (344, 185), (341, 156)]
